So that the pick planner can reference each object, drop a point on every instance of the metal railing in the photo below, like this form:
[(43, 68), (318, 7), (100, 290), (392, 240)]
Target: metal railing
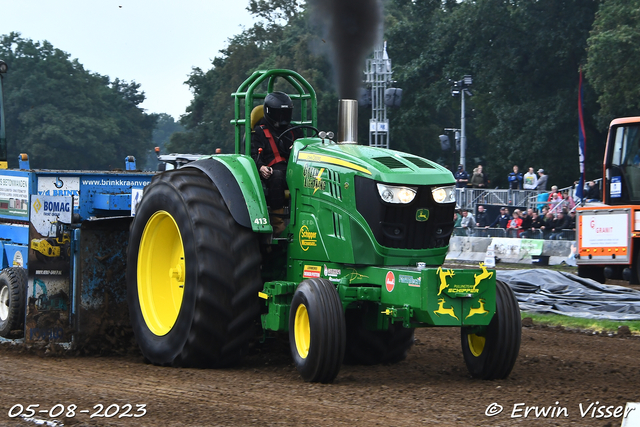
[(515, 233), (469, 198)]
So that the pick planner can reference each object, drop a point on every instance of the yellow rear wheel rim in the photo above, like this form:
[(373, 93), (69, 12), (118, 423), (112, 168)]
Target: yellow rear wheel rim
[(161, 273), (476, 344), (302, 331)]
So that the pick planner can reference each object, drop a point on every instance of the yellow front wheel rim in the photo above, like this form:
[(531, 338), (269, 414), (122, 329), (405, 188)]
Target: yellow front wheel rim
[(302, 331), (161, 273), (476, 344)]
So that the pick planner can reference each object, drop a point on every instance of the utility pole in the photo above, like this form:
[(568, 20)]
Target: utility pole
[(461, 87)]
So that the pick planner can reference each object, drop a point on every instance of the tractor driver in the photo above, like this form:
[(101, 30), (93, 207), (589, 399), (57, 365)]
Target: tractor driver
[(272, 159)]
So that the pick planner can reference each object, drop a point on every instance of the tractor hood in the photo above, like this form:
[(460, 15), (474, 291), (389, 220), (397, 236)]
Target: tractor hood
[(379, 164)]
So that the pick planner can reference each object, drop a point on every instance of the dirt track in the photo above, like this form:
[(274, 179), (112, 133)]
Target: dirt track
[(431, 386)]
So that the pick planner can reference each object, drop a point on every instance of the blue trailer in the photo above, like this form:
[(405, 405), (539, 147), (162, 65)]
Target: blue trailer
[(63, 236), (63, 241)]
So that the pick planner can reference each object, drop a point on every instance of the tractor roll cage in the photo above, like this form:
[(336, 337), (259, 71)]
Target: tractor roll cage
[(247, 93)]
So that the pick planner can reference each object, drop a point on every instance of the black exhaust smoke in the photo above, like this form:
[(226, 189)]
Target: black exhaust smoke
[(352, 28)]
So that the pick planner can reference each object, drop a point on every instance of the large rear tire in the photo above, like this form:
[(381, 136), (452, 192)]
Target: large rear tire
[(193, 275), (317, 330), (13, 288), (366, 347), (493, 354)]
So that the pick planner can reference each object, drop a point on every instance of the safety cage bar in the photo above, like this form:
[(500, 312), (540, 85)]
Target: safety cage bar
[(247, 92)]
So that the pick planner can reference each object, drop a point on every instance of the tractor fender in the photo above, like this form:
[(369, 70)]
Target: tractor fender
[(236, 176)]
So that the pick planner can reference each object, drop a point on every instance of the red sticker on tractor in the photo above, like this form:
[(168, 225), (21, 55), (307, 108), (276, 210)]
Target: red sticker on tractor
[(390, 281), (311, 271)]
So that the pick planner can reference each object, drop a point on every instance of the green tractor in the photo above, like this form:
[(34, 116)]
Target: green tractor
[(356, 270)]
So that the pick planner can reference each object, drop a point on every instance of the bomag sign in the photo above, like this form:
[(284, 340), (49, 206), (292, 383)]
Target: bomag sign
[(56, 207), (46, 210), (50, 207)]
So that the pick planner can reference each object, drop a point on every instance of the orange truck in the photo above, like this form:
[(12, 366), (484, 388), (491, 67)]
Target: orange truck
[(609, 232)]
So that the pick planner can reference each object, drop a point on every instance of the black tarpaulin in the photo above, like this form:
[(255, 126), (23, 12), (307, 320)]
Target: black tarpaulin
[(547, 291)]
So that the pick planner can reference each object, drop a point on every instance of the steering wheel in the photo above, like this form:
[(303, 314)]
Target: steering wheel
[(313, 128)]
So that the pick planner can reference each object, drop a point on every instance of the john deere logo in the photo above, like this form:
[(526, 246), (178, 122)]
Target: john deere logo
[(422, 215)]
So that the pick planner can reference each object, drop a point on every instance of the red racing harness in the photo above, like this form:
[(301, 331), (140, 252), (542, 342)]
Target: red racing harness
[(276, 153)]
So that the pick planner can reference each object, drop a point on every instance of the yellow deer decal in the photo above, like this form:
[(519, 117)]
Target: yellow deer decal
[(442, 310), (484, 275), (443, 278), (479, 310)]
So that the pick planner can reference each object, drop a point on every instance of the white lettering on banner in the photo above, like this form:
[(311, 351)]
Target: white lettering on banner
[(17, 187), (14, 182), (605, 230), (116, 182), (60, 186)]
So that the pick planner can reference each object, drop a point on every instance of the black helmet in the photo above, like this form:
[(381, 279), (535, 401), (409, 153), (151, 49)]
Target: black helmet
[(278, 109)]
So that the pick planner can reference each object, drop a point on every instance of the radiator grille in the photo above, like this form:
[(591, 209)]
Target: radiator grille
[(396, 226)]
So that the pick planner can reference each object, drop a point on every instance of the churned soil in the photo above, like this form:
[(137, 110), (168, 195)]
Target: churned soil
[(556, 369)]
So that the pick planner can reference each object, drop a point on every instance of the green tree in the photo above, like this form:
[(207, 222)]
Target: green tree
[(613, 64), (283, 38), (165, 127), (65, 117), (524, 57)]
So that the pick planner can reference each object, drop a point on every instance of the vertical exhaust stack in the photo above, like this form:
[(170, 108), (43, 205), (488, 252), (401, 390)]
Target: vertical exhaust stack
[(347, 121)]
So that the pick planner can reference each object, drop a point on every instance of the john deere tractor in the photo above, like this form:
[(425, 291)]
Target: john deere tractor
[(357, 269)]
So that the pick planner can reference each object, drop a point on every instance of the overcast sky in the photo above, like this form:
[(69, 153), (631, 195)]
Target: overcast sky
[(154, 42)]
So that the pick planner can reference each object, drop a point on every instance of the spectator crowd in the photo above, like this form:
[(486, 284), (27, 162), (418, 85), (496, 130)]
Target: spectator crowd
[(529, 223), (553, 216)]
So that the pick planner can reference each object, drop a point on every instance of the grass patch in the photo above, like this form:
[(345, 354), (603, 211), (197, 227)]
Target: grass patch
[(582, 323)]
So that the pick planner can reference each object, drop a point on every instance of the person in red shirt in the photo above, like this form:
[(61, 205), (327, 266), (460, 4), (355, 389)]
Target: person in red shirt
[(514, 226)]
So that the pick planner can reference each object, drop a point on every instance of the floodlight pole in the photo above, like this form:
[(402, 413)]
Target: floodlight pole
[(463, 135), (462, 87)]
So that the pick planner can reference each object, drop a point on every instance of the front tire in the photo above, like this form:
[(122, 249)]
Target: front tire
[(193, 275), (13, 288), (493, 354), (317, 335)]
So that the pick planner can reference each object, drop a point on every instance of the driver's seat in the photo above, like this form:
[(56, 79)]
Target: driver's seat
[(256, 114)]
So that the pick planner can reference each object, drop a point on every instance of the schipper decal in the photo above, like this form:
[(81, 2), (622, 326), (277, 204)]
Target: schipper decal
[(307, 238), (458, 289)]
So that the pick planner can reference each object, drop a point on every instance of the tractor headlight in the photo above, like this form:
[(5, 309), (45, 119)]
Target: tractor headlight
[(393, 194), (444, 194)]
